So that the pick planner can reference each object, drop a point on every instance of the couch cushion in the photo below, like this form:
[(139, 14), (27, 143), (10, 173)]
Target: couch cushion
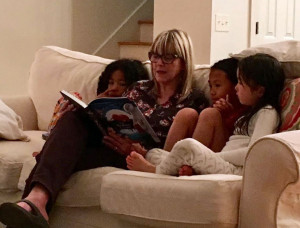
[(72, 194), (290, 106), (83, 188), (55, 69), (12, 156), (201, 199), (200, 79), (287, 52), (11, 125)]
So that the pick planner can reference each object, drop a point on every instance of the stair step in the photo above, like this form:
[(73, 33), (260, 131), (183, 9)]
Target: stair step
[(145, 22), (135, 43), (138, 49), (134, 50)]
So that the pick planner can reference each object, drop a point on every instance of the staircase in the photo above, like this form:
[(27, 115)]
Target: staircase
[(138, 49)]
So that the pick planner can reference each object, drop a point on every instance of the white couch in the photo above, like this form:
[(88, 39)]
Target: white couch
[(267, 196)]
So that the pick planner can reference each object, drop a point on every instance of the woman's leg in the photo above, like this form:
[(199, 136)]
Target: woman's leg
[(182, 127), (59, 156), (39, 196), (199, 157), (74, 144), (210, 130)]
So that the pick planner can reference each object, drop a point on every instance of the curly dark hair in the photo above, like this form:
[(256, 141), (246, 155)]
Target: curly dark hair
[(229, 66), (133, 71), (261, 70)]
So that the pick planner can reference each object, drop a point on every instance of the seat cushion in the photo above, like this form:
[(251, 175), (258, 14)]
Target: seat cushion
[(83, 188), (201, 199), (12, 156)]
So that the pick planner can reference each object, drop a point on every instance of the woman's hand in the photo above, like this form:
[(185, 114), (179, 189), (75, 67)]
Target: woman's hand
[(122, 145)]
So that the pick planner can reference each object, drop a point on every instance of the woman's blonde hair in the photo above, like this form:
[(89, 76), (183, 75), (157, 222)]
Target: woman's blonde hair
[(177, 42)]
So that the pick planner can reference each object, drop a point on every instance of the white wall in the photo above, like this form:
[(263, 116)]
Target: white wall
[(80, 25), (237, 37), (25, 26), (197, 17), (192, 16)]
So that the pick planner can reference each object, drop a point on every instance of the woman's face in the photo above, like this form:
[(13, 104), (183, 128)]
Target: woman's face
[(167, 73)]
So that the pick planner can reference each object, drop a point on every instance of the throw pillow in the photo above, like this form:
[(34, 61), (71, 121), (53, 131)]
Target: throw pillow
[(287, 52), (290, 106), (11, 124)]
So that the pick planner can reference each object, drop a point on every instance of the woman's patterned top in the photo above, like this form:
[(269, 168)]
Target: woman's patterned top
[(161, 116)]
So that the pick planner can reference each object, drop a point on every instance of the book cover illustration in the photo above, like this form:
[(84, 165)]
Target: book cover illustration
[(120, 114)]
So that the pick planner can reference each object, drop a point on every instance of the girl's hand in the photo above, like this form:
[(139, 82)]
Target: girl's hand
[(223, 105), (65, 107), (122, 145), (104, 94)]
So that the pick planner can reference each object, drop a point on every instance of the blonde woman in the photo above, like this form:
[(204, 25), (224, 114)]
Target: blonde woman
[(171, 57)]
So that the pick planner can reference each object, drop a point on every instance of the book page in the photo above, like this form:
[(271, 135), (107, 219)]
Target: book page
[(73, 100), (125, 118)]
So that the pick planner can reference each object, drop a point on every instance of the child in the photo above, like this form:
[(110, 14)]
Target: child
[(113, 82), (215, 122), (260, 81)]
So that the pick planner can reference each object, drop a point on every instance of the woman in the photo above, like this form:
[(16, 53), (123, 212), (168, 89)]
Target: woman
[(82, 147)]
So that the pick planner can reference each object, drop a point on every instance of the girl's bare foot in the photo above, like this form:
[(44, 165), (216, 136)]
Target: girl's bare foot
[(186, 170), (137, 162)]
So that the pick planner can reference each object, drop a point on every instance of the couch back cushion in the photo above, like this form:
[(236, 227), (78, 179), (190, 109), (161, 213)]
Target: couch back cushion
[(200, 79), (287, 52), (55, 69)]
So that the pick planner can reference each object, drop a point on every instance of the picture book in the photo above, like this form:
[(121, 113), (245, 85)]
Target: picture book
[(118, 113)]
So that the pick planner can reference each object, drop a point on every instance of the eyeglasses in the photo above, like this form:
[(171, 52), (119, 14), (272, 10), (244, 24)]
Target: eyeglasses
[(167, 59)]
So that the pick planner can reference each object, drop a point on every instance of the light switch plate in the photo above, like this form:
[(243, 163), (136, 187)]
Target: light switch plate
[(222, 23)]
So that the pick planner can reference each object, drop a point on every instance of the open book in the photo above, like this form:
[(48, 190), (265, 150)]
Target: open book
[(118, 113)]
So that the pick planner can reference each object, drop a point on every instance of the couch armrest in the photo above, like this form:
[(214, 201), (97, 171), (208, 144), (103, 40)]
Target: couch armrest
[(272, 165), (24, 107)]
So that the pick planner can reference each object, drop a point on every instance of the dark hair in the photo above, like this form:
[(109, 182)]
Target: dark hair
[(261, 70), (133, 71), (229, 66)]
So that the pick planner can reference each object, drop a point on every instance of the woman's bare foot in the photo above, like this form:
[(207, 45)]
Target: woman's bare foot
[(137, 162), (39, 197), (186, 170), (28, 208)]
